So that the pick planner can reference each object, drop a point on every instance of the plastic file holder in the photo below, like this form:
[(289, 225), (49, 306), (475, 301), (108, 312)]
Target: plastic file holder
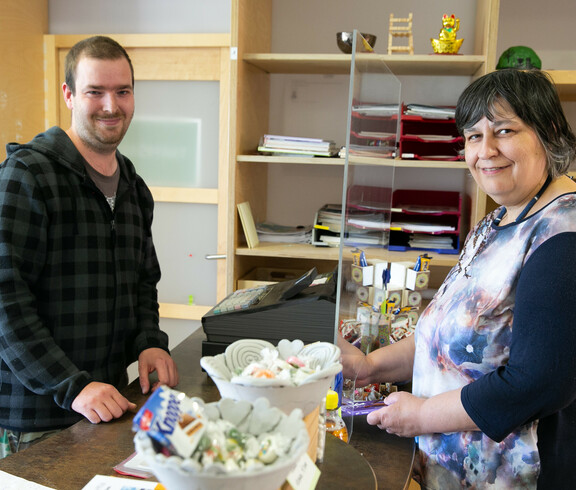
[(429, 139), (420, 216), (432, 218), (420, 138)]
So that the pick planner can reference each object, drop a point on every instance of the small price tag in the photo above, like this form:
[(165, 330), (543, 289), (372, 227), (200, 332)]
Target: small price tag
[(305, 475)]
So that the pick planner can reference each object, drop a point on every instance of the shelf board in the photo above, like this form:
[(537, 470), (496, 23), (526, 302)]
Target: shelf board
[(426, 64), (565, 81), (306, 251), (290, 160), (385, 162)]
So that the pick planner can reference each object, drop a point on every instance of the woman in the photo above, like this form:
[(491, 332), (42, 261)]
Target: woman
[(492, 360)]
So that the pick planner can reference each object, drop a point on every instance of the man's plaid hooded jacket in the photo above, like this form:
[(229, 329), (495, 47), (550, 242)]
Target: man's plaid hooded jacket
[(78, 297)]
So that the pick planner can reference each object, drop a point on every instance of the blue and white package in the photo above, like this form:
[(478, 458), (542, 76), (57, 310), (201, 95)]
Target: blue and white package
[(172, 420)]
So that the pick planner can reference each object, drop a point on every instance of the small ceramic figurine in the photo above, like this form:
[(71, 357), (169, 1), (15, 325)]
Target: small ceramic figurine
[(447, 42)]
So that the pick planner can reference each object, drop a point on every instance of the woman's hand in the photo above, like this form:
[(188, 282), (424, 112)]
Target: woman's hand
[(400, 416), (408, 416), (355, 365), (387, 364)]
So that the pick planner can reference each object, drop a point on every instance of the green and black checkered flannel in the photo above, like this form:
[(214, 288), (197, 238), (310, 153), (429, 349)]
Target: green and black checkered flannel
[(78, 298)]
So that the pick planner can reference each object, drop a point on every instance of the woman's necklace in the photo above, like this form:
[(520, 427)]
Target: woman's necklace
[(528, 207), (477, 241)]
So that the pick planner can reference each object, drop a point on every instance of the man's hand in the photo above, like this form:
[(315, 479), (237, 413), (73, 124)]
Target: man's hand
[(101, 402), (158, 360)]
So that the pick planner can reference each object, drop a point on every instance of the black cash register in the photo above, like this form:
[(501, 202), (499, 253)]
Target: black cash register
[(302, 308)]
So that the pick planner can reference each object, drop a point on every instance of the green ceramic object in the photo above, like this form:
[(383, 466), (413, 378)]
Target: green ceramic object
[(521, 57)]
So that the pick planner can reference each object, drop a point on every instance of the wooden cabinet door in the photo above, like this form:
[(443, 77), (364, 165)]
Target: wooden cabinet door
[(179, 142)]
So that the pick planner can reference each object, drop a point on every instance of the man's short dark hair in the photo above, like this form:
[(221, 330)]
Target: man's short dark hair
[(98, 47)]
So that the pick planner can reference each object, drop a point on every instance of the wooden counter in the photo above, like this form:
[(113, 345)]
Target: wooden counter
[(69, 460)]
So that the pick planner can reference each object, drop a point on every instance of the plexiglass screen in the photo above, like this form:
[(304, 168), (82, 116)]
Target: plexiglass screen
[(373, 131)]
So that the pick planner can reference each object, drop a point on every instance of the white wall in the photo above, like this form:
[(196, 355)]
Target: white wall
[(138, 16), (547, 29)]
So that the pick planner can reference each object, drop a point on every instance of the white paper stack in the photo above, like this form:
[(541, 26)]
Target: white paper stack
[(291, 145)]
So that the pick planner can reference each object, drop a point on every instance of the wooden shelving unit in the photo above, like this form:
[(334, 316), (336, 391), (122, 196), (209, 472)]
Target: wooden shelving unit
[(303, 251), (256, 65), (339, 64), (565, 81), (385, 162)]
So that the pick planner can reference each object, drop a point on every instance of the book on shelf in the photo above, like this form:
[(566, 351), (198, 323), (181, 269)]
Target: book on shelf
[(431, 242), (376, 221), (425, 208), (430, 112), (272, 143), (248, 225), (377, 110), (413, 156), (272, 232), (299, 153), (360, 227), (327, 225), (329, 218), (381, 151), (421, 227), (375, 134)]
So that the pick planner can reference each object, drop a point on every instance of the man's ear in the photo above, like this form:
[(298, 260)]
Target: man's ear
[(67, 95)]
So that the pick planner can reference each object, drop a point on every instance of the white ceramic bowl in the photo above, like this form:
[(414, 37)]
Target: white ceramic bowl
[(305, 396), (176, 473)]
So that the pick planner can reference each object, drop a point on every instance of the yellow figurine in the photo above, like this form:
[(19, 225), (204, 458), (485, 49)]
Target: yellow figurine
[(447, 42)]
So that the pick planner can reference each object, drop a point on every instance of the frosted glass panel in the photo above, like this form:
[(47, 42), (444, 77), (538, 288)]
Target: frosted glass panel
[(173, 138), (374, 107), (184, 234), (166, 150)]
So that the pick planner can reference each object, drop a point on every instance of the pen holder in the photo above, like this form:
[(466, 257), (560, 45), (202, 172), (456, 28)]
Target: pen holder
[(362, 275), (398, 271), (417, 280), (379, 267), (377, 296), (363, 294), (413, 299), (394, 295)]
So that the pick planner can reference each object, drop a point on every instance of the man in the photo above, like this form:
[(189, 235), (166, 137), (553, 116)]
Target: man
[(78, 268)]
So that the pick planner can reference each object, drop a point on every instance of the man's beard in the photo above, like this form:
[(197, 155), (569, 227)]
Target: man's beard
[(99, 139)]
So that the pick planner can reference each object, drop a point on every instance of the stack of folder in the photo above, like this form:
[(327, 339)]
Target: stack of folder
[(361, 227), (291, 145), (430, 112), (272, 232)]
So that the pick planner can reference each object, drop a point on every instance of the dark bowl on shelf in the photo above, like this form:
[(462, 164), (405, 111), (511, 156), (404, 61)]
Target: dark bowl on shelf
[(344, 41)]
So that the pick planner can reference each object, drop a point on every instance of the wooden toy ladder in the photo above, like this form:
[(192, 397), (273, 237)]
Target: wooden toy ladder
[(400, 27)]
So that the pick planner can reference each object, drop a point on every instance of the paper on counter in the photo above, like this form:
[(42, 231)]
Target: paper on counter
[(101, 482), (11, 482)]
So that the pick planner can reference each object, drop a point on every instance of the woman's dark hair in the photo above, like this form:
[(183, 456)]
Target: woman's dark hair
[(531, 94), (98, 47)]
